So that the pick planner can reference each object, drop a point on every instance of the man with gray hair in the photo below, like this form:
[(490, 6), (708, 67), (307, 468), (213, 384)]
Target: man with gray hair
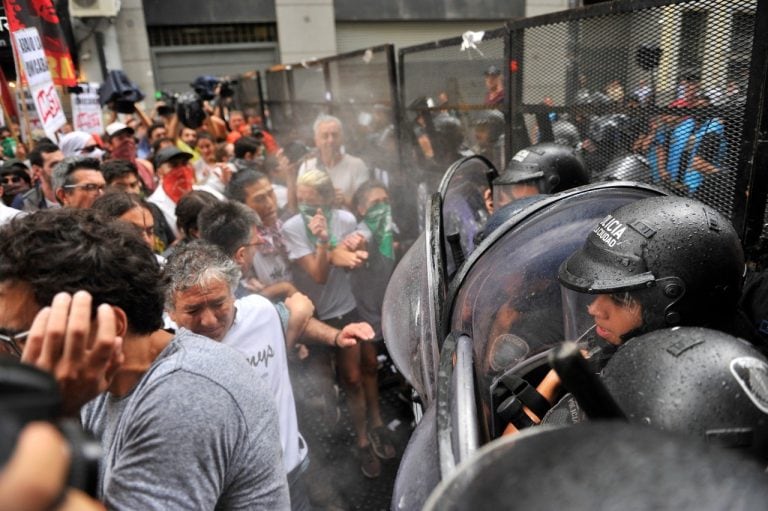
[(77, 181), (201, 297), (347, 172)]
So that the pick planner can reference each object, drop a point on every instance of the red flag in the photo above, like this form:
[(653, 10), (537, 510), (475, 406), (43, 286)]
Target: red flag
[(42, 15), (8, 99)]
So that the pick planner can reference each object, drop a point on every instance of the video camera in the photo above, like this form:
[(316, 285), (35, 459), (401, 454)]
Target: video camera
[(169, 100), (205, 87), (119, 92), (226, 89), (28, 394)]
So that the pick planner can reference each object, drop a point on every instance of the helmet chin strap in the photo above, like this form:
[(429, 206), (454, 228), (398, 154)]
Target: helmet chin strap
[(642, 329), (672, 289)]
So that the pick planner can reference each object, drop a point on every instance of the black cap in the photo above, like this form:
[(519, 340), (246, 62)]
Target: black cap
[(16, 168), (13, 164), (167, 154), (492, 71)]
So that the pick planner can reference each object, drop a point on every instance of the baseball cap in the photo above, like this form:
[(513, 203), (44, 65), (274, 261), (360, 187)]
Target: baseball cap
[(116, 127), (166, 154)]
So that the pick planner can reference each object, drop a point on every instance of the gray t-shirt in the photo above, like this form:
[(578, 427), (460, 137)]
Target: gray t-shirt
[(199, 431), (334, 298)]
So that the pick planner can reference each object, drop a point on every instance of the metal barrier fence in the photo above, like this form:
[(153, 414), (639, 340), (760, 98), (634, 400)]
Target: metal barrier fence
[(360, 89), (249, 95), (678, 86), (454, 103), (678, 83), (357, 87)]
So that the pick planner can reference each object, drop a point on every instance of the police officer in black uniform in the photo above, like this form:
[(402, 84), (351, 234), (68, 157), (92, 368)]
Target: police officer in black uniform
[(652, 264)]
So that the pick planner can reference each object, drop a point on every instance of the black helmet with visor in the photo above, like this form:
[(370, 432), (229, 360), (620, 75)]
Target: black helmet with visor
[(679, 259)]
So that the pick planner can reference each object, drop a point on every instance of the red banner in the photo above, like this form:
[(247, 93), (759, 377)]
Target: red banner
[(9, 105), (42, 15)]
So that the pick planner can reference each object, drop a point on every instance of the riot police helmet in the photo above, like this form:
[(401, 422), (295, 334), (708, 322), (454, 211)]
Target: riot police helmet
[(629, 167), (565, 133), (492, 120), (675, 260), (540, 169), (695, 381), (448, 139)]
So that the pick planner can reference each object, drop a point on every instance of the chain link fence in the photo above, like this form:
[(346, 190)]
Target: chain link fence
[(651, 91), (659, 91), (453, 93), (248, 94), (360, 89)]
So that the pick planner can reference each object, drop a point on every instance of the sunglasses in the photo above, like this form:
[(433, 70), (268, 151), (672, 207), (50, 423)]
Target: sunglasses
[(12, 179), (89, 148)]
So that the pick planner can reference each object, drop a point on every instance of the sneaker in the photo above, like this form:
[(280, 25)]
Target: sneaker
[(381, 443), (369, 463)]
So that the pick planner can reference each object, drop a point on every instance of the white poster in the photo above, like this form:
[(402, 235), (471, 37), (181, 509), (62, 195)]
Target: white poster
[(86, 110), (34, 120), (29, 48)]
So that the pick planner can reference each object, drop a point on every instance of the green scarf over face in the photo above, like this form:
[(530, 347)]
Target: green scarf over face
[(307, 212), (378, 218)]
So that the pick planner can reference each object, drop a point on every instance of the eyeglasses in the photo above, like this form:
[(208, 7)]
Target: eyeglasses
[(12, 341), (12, 179), (255, 243), (87, 187)]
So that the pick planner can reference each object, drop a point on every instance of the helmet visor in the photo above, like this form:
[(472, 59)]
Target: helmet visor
[(609, 316)]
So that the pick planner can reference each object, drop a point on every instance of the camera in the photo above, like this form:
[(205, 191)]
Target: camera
[(28, 394), (257, 132), (225, 88), (170, 103)]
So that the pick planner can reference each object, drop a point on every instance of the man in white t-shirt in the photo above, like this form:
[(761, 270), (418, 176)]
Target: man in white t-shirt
[(347, 172), (201, 298)]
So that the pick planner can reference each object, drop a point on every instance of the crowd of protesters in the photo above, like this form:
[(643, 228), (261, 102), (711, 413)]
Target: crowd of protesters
[(275, 258), (277, 252)]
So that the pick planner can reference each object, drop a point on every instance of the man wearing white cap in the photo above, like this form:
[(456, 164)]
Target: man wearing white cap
[(80, 143), (122, 146)]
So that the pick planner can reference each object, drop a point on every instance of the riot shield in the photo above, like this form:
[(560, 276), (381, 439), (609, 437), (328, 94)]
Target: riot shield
[(457, 436), (464, 210), (506, 297), (602, 466), (418, 473), (413, 304)]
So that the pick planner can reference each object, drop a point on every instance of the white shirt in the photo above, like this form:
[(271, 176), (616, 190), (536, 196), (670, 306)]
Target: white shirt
[(167, 206), (258, 334), (8, 213), (347, 175)]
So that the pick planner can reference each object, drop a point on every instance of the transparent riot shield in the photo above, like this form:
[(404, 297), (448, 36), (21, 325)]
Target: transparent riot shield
[(413, 304), (506, 297), (419, 471), (463, 188)]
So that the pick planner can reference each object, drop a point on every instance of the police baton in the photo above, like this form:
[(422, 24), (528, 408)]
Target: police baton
[(584, 384)]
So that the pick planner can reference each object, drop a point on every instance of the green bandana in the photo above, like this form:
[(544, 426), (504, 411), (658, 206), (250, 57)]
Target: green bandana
[(378, 218), (307, 212)]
